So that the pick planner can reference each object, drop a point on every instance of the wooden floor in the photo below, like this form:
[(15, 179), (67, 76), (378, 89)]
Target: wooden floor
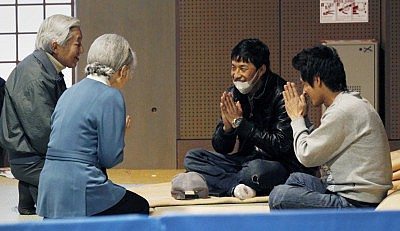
[(145, 181), (127, 176), (9, 189)]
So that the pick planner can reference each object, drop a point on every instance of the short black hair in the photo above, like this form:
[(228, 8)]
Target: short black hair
[(322, 61), (251, 50)]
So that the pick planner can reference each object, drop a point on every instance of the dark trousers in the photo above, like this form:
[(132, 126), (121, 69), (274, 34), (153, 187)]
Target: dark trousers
[(3, 158), (131, 203), (224, 172), (28, 176)]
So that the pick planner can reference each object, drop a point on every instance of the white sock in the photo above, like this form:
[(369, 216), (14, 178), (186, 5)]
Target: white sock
[(242, 192)]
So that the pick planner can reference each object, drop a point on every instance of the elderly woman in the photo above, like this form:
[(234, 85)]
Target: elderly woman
[(87, 136)]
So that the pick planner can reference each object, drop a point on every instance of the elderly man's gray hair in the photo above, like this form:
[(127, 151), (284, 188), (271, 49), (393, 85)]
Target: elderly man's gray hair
[(55, 28), (109, 53)]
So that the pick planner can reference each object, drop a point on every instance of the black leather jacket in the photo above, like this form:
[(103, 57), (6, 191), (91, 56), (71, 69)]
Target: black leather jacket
[(265, 130)]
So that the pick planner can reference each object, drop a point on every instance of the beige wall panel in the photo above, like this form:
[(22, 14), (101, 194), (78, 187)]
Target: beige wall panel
[(149, 26)]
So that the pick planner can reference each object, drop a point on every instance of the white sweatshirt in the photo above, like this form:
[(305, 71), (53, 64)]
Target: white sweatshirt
[(352, 147)]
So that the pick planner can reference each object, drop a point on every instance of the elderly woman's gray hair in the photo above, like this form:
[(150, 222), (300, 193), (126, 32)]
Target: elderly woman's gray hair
[(109, 53), (55, 28)]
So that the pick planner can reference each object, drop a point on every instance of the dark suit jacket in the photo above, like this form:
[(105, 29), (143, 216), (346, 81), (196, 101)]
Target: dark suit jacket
[(2, 85), (31, 93)]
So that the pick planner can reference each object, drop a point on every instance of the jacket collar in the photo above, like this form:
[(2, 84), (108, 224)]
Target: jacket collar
[(100, 78), (264, 85), (59, 67), (45, 61)]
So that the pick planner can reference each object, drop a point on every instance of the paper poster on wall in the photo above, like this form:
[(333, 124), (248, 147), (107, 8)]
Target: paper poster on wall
[(343, 11)]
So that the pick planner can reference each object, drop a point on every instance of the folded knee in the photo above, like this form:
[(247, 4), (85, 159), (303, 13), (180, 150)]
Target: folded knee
[(296, 177), (278, 196), (191, 156)]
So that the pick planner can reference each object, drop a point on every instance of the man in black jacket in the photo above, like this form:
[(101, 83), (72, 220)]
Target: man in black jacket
[(252, 112)]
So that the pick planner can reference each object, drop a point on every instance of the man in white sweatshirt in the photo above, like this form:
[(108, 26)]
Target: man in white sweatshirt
[(350, 145)]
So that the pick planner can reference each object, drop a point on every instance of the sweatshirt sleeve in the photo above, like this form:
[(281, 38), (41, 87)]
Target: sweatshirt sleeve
[(323, 143)]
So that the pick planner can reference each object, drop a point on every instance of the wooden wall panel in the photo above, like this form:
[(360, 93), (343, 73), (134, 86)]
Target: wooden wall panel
[(184, 145), (207, 31), (301, 28), (149, 26), (391, 39)]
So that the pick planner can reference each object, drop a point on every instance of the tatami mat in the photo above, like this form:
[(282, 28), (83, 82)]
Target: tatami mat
[(161, 202), (154, 185)]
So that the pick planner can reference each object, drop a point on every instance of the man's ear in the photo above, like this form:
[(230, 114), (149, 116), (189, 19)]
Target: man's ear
[(263, 69), (54, 45), (317, 81)]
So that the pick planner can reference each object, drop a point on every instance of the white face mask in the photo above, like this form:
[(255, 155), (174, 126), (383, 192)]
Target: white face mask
[(245, 87)]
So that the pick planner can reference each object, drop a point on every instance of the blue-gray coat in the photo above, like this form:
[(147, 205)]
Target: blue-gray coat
[(87, 134)]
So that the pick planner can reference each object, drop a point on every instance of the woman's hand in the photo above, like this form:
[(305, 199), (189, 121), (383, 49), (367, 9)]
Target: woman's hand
[(128, 122)]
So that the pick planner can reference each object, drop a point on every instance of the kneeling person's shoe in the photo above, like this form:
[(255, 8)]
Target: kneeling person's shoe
[(189, 185), (27, 211)]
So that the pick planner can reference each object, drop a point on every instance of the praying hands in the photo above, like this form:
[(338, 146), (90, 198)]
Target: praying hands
[(296, 106), (229, 110)]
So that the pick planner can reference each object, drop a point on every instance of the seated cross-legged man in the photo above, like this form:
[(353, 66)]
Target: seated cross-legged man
[(252, 112), (350, 145)]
